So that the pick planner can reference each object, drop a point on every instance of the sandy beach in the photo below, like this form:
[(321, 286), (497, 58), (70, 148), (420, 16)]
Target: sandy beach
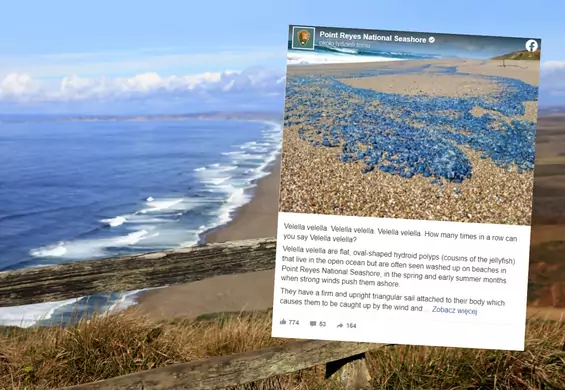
[(230, 293)]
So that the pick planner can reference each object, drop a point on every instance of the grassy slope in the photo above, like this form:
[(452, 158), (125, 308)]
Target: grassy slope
[(520, 55), (105, 347), (547, 268)]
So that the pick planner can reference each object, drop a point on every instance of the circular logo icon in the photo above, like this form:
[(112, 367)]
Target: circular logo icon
[(531, 45), (431, 39)]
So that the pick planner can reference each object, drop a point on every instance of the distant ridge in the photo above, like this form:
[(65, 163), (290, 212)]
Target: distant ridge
[(520, 55), (216, 115), (552, 110)]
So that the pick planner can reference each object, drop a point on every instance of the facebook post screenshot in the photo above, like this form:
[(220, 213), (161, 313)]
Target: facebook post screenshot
[(406, 187)]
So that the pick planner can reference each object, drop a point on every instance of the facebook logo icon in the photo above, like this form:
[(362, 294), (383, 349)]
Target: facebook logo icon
[(531, 45)]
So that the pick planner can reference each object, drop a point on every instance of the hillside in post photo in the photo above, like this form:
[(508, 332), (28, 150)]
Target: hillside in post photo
[(437, 131)]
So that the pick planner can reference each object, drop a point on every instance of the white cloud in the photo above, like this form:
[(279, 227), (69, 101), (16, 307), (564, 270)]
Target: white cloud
[(17, 85), (21, 87), (552, 65), (208, 86)]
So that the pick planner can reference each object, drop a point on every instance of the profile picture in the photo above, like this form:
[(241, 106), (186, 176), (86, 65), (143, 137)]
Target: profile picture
[(303, 38)]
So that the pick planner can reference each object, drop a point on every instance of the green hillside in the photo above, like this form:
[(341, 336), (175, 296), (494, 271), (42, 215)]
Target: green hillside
[(520, 55)]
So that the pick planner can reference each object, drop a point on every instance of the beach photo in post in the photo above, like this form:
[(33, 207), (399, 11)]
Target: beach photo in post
[(410, 126)]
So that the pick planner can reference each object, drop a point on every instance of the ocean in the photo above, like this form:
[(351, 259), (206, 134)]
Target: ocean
[(72, 191), (325, 54)]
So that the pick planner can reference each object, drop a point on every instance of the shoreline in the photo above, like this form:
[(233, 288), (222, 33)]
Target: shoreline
[(262, 185), (208, 236), (228, 293), (258, 205)]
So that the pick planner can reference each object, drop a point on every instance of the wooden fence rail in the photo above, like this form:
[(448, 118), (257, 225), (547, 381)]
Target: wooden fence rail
[(345, 366), (130, 273), (345, 362)]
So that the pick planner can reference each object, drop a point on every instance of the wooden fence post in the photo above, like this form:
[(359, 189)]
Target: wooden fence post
[(350, 373)]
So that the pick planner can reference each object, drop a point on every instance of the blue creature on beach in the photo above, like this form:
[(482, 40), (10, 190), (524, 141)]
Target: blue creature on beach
[(415, 135)]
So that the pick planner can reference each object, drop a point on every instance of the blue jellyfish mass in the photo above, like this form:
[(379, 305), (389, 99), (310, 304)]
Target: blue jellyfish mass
[(413, 135)]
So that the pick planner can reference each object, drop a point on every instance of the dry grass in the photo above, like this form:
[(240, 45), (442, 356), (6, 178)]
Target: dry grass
[(45, 358)]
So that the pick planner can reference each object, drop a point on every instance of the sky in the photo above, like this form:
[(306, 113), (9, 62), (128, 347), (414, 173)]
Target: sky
[(182, 56)]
